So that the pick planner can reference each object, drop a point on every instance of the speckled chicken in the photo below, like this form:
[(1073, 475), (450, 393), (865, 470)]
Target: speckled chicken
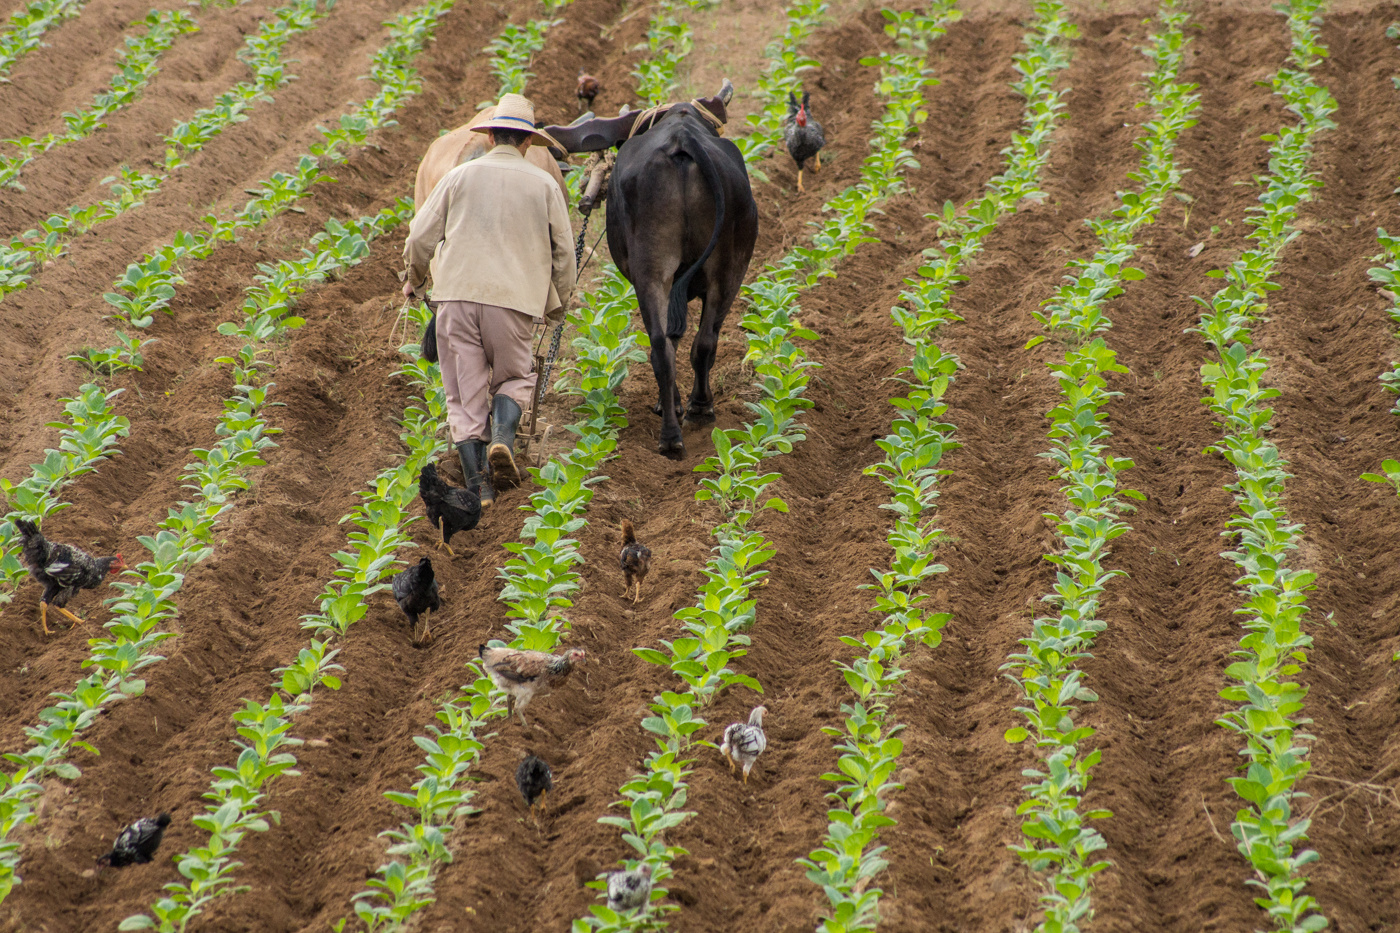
[(744, 742), (630, 890), (635, 560), (803, 135), (137, 844), (62, 568), (589, 87), (521, 673), (449, 508), (416, 591), (535, 780)]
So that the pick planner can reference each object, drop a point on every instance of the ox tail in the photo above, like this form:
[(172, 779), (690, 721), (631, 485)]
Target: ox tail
[(675, 309)]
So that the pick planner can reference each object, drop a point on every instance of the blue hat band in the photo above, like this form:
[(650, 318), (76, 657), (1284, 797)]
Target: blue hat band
[(521, 120)]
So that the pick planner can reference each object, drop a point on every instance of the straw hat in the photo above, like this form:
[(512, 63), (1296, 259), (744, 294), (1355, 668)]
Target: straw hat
[(515, 112)]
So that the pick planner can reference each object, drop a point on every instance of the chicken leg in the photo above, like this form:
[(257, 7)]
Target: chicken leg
[(799, 181), (443, 544), (817, 162), (44, 616)]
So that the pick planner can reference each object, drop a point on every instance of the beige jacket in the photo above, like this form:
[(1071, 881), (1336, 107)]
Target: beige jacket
[(505, 234)]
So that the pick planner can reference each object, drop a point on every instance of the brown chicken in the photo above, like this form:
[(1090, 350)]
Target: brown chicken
[(521, 673), (635, 560), (588, 88), (62, 569)]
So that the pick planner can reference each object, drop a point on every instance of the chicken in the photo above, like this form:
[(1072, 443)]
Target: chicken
[(137, 844), (449, 508), (416, 591), (588, 88), (630, 890), (635, 560), (521, 673), (62, 569), (535, 781), (744, 742), (803, 135)]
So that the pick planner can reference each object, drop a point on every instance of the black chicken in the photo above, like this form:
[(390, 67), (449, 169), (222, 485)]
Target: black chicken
[(635, 560), (416, 590), (137, 844), (62, 569), (803, 135), (449, 508), (535, 781)]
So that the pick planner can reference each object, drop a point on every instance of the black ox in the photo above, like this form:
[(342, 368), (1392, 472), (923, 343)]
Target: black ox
[(682, 223)]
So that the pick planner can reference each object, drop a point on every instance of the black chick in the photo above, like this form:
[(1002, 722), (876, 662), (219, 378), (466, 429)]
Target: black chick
[(635, 560), (535, 781), (137, 844), (416, 590), (449, 508)]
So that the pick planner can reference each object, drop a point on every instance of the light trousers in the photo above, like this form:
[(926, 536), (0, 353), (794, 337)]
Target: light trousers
[(483, 351)]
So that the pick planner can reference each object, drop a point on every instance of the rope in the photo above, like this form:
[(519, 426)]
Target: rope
[(651, 115)]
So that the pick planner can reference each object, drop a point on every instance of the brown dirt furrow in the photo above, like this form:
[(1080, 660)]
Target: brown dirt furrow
[(1328, 339), (949, 865), (79, 58), (200, 736), (312, 483), (593, 752), (174, 402), (1159, 665), (331, 59)]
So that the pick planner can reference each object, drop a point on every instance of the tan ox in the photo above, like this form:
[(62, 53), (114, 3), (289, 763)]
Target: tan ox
[(462, 145)]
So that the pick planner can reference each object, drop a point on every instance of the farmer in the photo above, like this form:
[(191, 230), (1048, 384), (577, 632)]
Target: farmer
[(507, 261)]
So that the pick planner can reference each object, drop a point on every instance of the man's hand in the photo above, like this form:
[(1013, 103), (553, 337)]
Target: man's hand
[(557, 315), (407, 289)]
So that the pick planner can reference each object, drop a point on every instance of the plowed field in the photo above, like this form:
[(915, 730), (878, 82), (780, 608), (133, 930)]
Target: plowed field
[(1158, 667)]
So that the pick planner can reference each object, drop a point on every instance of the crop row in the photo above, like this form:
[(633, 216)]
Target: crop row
[(1388, 277), (25, 255), (781, 76), (149, 285), (513, 49), (668, 41), (1266, 829), (27, 26), (540, 578), (238, 792), (714, 629), (140, 62), (1058, 837), (846, 864), (146, 606)]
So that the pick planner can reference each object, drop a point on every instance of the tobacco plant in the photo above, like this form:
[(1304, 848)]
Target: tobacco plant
[(713, 633), (27, 26), (262, 51), (1059, 839), (149, 285), (139, 61), (1268, 717)]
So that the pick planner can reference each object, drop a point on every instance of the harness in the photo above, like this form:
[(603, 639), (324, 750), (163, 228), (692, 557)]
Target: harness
[(651, 115)]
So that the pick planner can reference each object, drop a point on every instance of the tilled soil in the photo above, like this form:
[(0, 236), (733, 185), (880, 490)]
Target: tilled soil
[(1158, 666)]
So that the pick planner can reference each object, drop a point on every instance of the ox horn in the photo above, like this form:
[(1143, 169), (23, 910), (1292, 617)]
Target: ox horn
[(726, 92)]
